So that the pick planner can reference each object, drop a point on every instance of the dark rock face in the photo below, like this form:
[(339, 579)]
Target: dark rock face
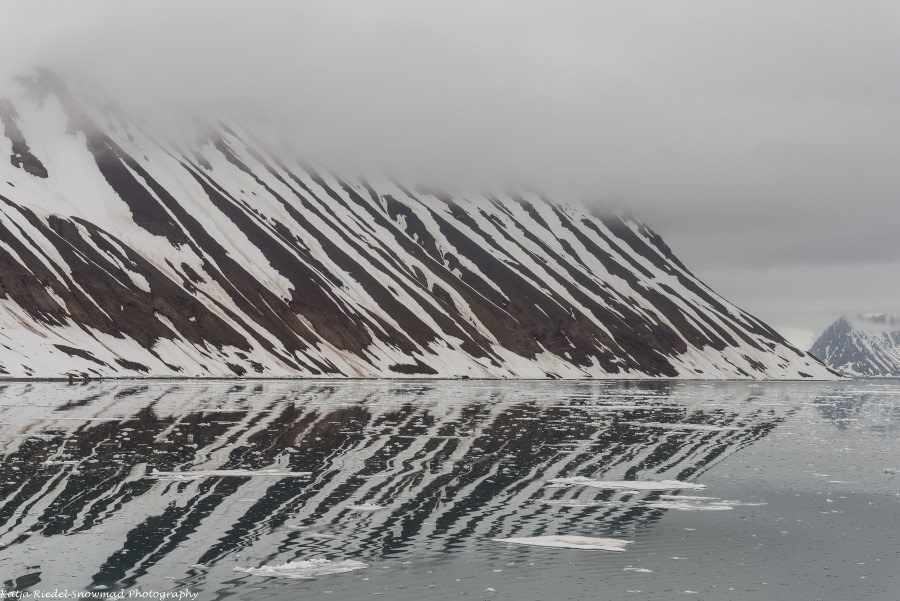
[(131, 257), (21, 155), (861, 346)]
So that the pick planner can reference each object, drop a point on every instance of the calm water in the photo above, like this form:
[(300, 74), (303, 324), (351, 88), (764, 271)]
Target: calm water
[(413, 490)]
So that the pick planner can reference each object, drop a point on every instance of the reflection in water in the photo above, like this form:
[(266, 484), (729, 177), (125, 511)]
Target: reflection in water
[(174, 484), (849, 404)]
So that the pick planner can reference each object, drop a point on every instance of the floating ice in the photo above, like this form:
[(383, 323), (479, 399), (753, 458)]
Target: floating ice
[(682, 426), (689, 506), (694, 503), (365, 507), (200, 474), (586, 543), (574, 503), (306, 569), (687, 498), (628, 484)]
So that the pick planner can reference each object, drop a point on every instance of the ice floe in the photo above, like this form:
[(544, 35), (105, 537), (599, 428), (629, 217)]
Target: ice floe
[(690, 505), (574, 503), (627, 484), (365, 507), (682, 426), (586, 543), (306, 569), (676, 502), (200, 474)]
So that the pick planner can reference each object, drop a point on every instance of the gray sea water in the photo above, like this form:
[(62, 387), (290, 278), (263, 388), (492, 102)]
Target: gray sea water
[(441, 490)]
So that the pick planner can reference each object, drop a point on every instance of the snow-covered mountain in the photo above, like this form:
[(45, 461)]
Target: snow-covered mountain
[(125, 254), (862, 345)]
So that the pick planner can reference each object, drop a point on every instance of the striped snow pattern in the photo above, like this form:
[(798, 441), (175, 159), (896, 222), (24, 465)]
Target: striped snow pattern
[(368, 471), (123, 255)]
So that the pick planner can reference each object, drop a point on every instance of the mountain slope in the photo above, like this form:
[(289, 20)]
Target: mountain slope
[(122, 255), (861, 345)]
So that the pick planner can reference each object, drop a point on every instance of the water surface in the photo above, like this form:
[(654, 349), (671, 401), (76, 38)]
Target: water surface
[(436, 490)]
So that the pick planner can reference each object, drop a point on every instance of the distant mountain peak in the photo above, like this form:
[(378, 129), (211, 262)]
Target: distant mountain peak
[(862, 345), (876, 320)]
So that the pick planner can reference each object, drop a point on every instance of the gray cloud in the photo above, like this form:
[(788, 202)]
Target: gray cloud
[(761, 139)]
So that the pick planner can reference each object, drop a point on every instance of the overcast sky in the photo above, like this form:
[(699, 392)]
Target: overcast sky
[(760, 138)]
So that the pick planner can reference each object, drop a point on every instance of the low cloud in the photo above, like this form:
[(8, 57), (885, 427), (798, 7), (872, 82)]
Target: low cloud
[(761, 139)]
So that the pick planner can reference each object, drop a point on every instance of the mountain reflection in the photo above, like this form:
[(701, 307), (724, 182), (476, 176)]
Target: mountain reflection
[(873, 405), (119, 484)]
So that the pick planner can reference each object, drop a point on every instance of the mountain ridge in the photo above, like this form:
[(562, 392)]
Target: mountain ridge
[(123, 256), (861, 345)]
